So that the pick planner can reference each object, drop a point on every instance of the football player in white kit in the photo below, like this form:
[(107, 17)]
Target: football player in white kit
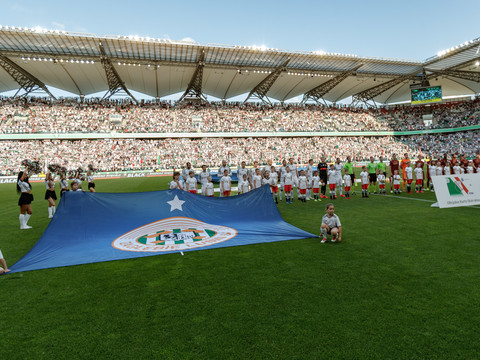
[(338, 176), (267, 167), (242, 170), (203, 177), (282, 172), (186, 171)]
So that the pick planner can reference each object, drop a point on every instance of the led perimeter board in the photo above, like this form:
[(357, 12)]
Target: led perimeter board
[(426, 95)]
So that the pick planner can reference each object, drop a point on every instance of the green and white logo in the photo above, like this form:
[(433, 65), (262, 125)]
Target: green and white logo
[(456, 186), (175, 233)]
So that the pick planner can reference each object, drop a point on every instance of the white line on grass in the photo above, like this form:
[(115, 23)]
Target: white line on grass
[(410, 198), (407, 198)]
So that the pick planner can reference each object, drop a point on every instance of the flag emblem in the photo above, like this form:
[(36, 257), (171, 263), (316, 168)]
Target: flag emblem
[(175, 233)]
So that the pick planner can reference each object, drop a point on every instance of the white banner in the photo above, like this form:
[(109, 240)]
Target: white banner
[(457, 190)]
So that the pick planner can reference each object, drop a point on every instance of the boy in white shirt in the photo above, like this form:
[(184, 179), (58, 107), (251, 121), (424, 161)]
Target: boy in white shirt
[(446, 169), (419, 176), (381, 182), (209, 188), (432, 171), (439, 169), (176, 183), (457, 170), (274, 183), (316, 186), (365, 178), (302, 186), (256, 179), (191, 183), (266, 178), (332, 182), (225, 184), (309, 174), (409, 173), (294, 172), (396, 182), (469, 169), (243, 185), (221, 171), (288, 183), (347, 179)]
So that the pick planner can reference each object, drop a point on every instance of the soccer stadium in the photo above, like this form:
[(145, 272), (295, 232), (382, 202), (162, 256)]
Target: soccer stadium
[(307, 204)]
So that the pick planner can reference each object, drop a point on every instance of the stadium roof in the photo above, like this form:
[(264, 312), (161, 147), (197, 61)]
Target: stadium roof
[(85, 64)]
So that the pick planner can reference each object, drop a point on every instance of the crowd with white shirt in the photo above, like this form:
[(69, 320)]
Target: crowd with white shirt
[(156, 154), (43, 115)]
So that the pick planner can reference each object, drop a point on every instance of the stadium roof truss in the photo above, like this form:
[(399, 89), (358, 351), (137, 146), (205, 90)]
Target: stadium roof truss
[(84, 64)]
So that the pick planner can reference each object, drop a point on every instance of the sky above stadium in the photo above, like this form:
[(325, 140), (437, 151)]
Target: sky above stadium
[(403, 29)]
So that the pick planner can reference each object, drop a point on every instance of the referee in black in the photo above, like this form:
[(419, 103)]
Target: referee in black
[(322, 172)]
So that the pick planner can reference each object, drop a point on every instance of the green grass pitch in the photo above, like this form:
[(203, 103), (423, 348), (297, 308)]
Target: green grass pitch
[(403, 284)]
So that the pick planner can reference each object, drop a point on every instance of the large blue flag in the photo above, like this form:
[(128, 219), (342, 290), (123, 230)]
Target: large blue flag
[(93, 227)]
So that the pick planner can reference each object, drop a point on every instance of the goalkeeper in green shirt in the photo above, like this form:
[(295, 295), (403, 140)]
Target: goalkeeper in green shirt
[(349, 166)]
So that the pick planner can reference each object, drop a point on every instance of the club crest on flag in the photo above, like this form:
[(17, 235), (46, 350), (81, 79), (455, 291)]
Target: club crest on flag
[(171, 234)]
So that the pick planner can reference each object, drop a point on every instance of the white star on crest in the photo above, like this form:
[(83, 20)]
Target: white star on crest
[(176, 204)]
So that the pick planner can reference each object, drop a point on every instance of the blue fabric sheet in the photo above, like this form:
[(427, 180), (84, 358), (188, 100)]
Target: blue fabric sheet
[(94, 227)]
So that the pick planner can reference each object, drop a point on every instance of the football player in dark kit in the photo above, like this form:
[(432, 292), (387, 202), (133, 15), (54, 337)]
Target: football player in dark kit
[(322, 173)]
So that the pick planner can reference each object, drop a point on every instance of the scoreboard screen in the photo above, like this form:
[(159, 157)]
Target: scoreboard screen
[(426, 95)]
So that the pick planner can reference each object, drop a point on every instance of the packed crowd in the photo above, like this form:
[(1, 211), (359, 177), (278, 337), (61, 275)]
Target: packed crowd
[(41, 115), (446, 115), (137, 154)]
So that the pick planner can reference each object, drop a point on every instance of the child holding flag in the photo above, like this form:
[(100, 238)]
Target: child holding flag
[(4, 268)]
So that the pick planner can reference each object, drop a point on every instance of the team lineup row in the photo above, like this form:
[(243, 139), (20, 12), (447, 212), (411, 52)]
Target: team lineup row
[(312, 178), (311, 182)]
